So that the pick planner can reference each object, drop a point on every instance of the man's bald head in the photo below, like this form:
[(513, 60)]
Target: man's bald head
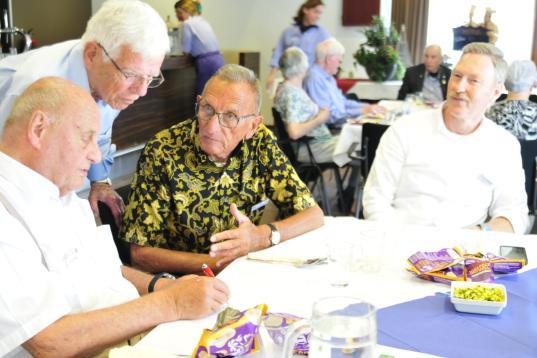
[(53, 130), (51, 95), (432, 59)]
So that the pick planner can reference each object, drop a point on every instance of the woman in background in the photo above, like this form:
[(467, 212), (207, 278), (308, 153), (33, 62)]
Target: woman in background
[(300, 114), (199, 40), (303, 33), (517, 113)]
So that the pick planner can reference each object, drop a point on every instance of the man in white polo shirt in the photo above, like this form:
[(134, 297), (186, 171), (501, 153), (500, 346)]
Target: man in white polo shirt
[(452, 167), (64, 291)]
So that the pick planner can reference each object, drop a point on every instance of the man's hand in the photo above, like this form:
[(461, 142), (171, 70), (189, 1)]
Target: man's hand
[(105, 193), (230, 244), (196, 296), (374, 109)]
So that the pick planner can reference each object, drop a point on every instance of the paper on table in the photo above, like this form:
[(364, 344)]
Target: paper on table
[(291, 254)]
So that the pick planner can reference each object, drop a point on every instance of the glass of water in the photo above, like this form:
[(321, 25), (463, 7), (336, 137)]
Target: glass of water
[(340, 255), (340, 327)]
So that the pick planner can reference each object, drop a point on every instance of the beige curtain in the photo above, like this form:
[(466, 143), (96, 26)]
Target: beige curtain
[(414, 14)]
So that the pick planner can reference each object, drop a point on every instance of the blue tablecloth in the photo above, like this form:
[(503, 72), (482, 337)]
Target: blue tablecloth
[(431, 324)]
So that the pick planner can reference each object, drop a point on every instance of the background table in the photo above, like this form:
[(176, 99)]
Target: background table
[(285, 288), (369, 90)]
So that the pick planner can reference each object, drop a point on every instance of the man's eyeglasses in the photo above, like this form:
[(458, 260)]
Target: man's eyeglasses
[(149, 81), (205, 112)]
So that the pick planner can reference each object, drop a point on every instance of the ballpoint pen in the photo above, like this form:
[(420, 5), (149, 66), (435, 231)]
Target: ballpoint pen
[(207, 270)]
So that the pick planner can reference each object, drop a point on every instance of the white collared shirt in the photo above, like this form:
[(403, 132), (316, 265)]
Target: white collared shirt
[(54, 260), (424, 174)]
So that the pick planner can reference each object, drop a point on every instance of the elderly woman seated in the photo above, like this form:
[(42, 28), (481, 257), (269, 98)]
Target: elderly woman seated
[(517, 113), (301, 115)]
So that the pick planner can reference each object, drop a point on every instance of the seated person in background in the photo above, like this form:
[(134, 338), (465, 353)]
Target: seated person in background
[(64, 291), (517, 113), (452, 166), (201, 185), (302, 116), (321, 86), (430, 78), (199, 40)]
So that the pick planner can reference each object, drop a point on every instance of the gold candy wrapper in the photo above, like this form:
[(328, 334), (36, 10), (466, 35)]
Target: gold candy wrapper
[(235, 334)]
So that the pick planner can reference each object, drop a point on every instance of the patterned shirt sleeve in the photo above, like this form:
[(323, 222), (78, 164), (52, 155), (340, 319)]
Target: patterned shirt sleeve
[(148, 207)]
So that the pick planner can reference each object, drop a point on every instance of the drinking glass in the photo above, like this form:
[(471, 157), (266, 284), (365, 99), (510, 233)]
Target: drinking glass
[(340, 327)]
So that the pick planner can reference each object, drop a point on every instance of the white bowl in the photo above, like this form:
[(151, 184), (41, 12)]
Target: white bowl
[(476, 306)]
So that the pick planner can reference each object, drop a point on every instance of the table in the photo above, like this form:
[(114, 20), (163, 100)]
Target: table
[(376, 90), (293, 290)]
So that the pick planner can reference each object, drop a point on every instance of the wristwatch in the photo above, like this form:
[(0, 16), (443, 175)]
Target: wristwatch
[(103, 181), (155, 278), (274, 235)]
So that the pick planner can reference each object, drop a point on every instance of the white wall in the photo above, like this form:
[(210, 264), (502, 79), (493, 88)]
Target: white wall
[(256, 25)]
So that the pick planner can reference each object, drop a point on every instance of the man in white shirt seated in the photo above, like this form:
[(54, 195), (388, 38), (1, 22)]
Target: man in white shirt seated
[(64, 291), (452, 166)]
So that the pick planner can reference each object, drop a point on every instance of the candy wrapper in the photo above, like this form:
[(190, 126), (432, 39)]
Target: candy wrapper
[(234, 334), (277, 325), (448, 265)]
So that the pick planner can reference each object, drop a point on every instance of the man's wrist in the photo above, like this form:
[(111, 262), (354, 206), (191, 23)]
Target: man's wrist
[(102, 181)]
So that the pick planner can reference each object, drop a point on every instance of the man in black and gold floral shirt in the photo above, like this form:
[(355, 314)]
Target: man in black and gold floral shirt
[(201, 185)]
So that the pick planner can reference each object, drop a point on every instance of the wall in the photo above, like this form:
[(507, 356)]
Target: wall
[(52, 20), (256, 25)]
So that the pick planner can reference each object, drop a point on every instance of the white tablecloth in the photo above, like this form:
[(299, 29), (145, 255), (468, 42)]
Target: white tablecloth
[(286, 288), (376, 90)]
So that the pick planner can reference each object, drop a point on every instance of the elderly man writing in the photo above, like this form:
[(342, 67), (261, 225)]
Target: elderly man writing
[(201, 186), (452, 166), (429, 78), (64, 291), (116, 60), (322, 88)]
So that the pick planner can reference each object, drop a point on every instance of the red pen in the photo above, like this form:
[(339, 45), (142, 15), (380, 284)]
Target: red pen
[(207, 270)]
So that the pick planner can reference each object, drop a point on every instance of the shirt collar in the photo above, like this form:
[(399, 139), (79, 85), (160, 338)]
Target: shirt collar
[(76, 68), (317, 68), (303, 28), (30, 183)]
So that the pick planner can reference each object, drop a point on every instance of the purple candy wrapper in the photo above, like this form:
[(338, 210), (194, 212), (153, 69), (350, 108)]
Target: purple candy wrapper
[(277, 324)]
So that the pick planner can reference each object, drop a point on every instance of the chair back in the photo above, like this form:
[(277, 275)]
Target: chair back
[(371, 134), (105, 214), (284, 141), (528, 151)]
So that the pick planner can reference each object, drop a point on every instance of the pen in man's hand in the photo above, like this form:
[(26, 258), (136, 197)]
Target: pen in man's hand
[(207, 270)]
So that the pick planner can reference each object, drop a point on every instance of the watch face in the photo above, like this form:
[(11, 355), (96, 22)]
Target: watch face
[(275, 237)]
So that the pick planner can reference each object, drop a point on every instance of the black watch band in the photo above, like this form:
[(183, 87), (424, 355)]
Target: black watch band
[(155, 278)]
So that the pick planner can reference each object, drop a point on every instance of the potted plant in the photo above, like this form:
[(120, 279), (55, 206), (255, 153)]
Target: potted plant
[(378, 54)]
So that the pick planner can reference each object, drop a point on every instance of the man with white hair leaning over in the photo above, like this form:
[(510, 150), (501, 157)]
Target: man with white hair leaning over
[(117, 59), (452, 166)]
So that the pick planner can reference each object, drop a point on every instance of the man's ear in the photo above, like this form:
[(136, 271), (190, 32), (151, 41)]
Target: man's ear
[(253, 125), (497, 92), (90, 53), (38, 124)]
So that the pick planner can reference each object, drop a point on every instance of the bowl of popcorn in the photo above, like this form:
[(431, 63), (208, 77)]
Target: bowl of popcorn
[(478, 297)]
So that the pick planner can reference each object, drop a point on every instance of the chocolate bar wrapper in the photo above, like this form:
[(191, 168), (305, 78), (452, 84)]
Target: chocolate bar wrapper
[(277, 325), (235, 339)]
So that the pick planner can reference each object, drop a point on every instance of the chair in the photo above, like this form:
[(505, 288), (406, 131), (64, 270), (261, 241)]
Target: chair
[(362, 161), (123, 247), (310, 172), (528, 151)]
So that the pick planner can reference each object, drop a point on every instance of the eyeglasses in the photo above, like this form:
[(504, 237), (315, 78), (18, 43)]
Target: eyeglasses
[(149, 81), (205, 112)]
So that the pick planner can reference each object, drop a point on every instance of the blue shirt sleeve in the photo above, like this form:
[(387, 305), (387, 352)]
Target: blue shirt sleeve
[(187, 38)]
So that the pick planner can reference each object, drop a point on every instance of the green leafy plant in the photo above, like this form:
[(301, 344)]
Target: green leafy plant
[(378, 54)]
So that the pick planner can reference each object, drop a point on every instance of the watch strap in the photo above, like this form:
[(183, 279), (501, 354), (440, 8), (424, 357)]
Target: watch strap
[(153, 282)]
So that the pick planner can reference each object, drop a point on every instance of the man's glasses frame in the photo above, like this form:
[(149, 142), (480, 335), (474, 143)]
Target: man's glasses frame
[(225, 119), (150, 81)]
